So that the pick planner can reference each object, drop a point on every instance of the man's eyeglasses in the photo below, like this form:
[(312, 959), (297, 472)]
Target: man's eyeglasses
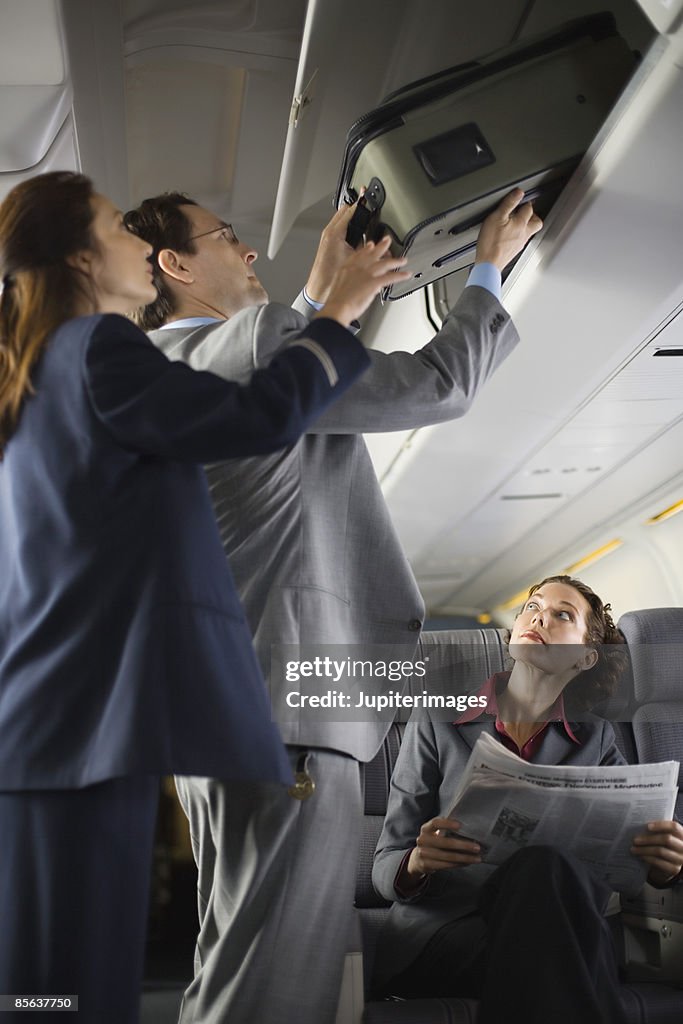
[(227, 228)]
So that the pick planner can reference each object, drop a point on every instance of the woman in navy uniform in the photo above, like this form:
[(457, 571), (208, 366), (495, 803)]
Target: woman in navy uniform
[(124, 652)]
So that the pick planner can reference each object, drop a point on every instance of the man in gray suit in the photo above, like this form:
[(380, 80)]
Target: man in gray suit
[(316, 561)]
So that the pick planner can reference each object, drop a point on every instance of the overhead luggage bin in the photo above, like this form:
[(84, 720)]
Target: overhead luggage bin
[(665, 15), (438, 155)]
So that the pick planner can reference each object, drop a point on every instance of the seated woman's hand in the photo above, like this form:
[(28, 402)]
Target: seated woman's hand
[(661, 847), (436, 848)]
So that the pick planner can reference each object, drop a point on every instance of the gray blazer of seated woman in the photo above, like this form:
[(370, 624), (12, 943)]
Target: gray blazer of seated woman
[(528, 938)]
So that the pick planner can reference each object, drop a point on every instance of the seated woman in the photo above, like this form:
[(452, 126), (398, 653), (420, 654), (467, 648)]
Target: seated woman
[(462, 927)]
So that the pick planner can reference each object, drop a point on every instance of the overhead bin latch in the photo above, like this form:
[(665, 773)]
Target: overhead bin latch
[(302, 101)]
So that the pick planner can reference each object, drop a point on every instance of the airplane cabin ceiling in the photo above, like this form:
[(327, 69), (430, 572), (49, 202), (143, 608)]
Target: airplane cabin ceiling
[(30, 27), (237, 16), (208, 88)]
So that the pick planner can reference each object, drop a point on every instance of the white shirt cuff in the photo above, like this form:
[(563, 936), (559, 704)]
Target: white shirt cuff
[(312, 302)]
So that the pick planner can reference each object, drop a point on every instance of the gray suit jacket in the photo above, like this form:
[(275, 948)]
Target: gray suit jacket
[(310, 541), (427, 772)]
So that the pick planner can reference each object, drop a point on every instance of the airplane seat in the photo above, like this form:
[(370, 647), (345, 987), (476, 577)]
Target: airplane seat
[(372, 908), (619, 709), (468, 655), (652, 922), (471, 656), (648, 727), (655, 641)]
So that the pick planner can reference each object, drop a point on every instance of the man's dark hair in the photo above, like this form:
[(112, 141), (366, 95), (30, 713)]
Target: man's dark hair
[(162, 222)]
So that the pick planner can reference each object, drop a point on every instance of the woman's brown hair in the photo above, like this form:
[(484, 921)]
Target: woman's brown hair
[(43, 221)]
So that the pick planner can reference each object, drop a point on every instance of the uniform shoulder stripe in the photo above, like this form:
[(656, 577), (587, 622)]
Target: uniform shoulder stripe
[(318, 351)]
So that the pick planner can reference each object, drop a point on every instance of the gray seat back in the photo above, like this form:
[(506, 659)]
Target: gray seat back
[(458, 659), (655, 640)]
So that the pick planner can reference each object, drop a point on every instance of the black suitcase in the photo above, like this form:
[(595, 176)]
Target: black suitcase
[(439, 154)]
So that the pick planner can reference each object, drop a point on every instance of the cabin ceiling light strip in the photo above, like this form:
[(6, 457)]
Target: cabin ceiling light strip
[(582, 563), (516, 600), (666, 513)]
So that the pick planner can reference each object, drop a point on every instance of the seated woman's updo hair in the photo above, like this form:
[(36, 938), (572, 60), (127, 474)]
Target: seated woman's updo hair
[(596, 684)]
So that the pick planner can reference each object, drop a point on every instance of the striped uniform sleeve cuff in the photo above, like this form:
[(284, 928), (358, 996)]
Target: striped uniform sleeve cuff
[(338, 352)]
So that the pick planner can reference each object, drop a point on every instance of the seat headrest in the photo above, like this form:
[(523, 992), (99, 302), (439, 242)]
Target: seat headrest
[(655, 640), (466, 657), (460, 660)]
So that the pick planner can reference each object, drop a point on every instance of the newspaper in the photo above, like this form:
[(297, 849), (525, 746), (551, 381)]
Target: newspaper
[(504, 803)]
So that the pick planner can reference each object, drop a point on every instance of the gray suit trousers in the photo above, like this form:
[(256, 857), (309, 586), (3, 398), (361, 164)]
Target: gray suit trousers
[(276, 877)]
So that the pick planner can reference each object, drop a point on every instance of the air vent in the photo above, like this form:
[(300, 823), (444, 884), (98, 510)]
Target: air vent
[(542, 471), (668, 352)]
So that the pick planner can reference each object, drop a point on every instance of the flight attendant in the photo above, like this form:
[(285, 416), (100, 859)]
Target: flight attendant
[(124, 652)]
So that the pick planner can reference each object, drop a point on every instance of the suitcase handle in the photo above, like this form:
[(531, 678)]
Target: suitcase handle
[(442, 260), (533, 193), (465, 225), (369, 205), (546, 191)]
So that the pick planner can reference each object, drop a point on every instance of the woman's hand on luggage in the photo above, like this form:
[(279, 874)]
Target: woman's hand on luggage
[(661, 847), (333, 252), (437, 848), (506, 231), (363, 276)]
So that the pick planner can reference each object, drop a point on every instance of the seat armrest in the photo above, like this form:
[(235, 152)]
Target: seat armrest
[(650, 935)]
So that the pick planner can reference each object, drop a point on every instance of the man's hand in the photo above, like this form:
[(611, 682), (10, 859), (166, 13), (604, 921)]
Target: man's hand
[(435, 850), (363, 276), (506, 231), (333, 252), (661, 847)]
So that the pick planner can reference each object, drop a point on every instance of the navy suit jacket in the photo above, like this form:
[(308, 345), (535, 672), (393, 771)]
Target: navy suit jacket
[(123, 644)]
